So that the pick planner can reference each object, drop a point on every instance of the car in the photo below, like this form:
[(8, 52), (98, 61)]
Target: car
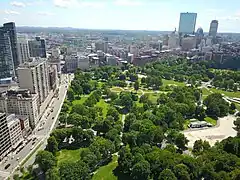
[(7, 166), (31, 147), (18, 158), (52, 117), (51, 110)]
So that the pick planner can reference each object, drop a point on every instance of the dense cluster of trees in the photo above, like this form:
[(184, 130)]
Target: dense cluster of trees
[(148, 140)]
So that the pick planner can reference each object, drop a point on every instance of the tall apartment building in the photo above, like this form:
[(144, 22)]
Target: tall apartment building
[(11, 29), (37, 47), (5, 141), (187, 23), (20, 102), (15, 131), (23, 50), (34, 76), (6, 57), (213, 28)]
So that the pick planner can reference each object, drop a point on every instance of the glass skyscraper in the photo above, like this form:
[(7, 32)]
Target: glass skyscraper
[(187, 23), (6, 57)]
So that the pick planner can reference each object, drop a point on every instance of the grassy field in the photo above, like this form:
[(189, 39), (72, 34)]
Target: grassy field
[(210, 120), (205, 92), (237, 106), (117, 89), (80, 101), (153, 97), (106, 172), (172, 82), (69, 155), (104, 105), (227, 93)]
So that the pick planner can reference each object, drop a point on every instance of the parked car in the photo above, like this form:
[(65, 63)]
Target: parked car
[(7, 166)]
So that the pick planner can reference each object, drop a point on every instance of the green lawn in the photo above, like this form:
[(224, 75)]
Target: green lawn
[(227, 93), (172, 82), (118, 89), (69, 155), (104, 105), (106, 172), (211, 120), (237, 106), (80, 101), (153, 97), (206, 92)]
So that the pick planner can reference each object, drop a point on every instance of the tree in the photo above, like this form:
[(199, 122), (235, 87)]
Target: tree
[(46, 160), (237, 126), (167, 174), (52, 145), (143, 80), (114, 113), (70, 94), (136, 86), (74, 171), (181, 172), (125, 160), (141, 170), (52, 174), (181, 141)]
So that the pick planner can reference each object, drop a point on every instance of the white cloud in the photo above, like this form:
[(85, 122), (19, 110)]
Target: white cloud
[(18, 4), (128, 3), (65, 3), (5, 19), (92, 4), (43, 13), (11, 12)]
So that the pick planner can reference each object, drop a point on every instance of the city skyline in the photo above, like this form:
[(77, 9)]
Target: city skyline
[(160, 15)]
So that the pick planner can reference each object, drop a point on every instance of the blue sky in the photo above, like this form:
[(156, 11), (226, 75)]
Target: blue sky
[(120, 14)]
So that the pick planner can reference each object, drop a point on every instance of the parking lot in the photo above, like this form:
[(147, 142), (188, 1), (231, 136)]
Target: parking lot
[(214, 134)]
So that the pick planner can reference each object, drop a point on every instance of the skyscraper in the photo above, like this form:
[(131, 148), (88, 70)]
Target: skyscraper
[(187, 23), (213, 28), (10, 27), (6, 58), (23, 50), (37, 47)]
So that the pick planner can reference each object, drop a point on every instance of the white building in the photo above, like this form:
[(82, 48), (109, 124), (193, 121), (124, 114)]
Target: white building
[(173, 41), (56, 53), (5, 142), (35, 77), (21, 102), (15, 132), (83, 62), (189, 43), (23, 50)]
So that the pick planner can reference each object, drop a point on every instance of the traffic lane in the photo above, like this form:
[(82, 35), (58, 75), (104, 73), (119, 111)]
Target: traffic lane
[(16, 158)]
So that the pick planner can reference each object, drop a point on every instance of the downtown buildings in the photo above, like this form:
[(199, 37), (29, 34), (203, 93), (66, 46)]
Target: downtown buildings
[(213, 28), (37, 47)]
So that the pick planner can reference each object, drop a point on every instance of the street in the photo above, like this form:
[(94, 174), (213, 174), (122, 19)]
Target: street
[(42, 131)]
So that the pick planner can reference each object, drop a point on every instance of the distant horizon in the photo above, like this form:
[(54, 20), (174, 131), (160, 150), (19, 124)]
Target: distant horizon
[(101, 29), (154, 15)]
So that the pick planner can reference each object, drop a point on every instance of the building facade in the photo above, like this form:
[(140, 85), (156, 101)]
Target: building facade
[(5, 141), (213, 28), (37, 47), (21, 102), (36, 73), (6, 57), (23, 51), (15, 132), (187, 23)]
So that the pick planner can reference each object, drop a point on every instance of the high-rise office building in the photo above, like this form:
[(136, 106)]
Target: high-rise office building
[(37, 47), (34, 76), (11, 29), (5, 142), (23, 50), (6, 57), (187, 23), (213, 28)]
